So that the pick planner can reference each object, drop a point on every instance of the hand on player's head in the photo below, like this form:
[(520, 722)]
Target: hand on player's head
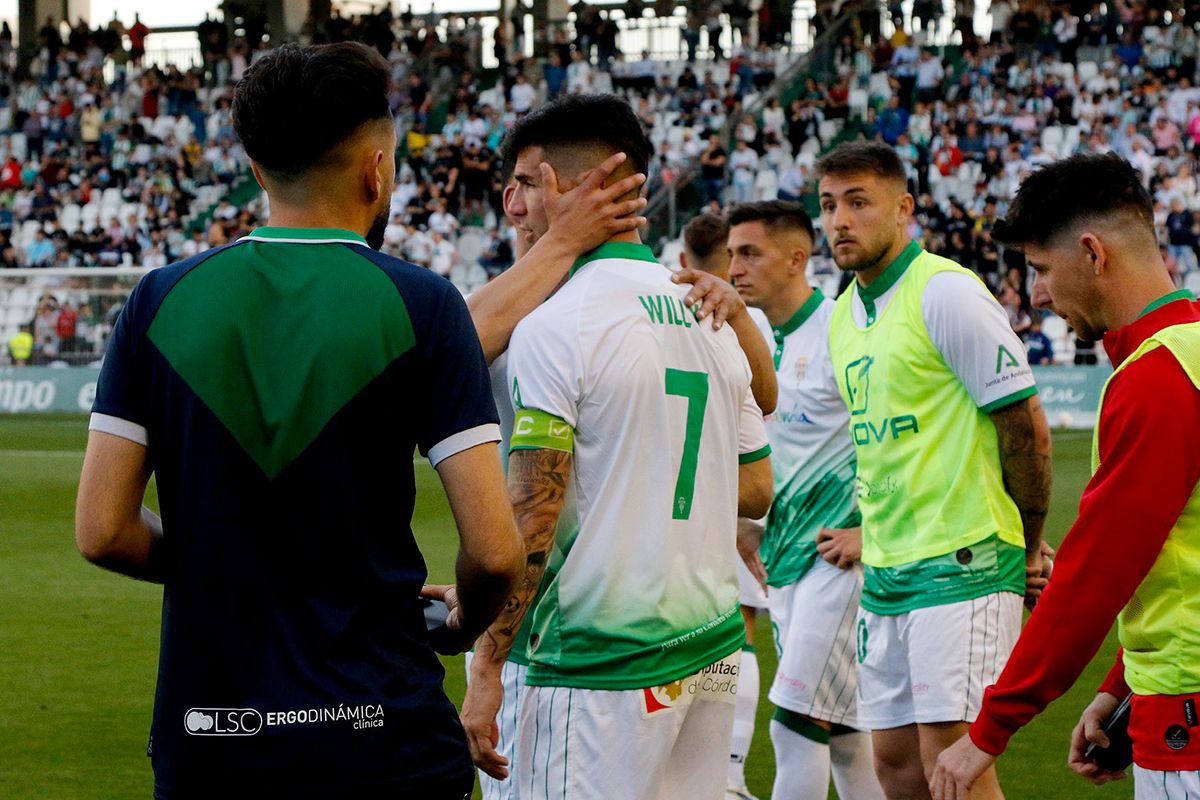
[(592, 211)]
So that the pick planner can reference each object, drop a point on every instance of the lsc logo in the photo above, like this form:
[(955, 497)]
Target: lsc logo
[(222, 721)]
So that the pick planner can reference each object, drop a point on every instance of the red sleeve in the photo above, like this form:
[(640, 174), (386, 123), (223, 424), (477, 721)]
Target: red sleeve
[(1114, 682), (1148, 471)]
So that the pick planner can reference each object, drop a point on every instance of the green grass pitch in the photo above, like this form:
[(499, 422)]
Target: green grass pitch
[(79, 646)]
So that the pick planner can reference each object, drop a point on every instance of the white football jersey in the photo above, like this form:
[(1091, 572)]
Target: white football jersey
[(661, 410)]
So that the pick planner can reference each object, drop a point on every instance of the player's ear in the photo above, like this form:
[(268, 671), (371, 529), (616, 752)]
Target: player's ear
[(373, 180), (1095, 253), (254, 168), (683, 259), (799, 261)]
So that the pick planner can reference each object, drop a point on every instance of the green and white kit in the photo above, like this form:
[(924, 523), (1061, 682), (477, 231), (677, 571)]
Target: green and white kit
[(657, 411)]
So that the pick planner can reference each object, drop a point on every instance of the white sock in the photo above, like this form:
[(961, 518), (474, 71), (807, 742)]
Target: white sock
[(801, 765), (744, 712), (854, 767)]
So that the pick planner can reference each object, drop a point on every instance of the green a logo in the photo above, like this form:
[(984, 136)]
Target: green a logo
[(1004, 359), (862, 641), (858, 384), (516, 395)]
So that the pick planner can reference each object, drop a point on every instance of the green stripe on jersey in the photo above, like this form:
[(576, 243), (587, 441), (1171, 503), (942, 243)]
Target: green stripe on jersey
[(593, 659), (804, 504), (536, 430), (279, 322), (981, 569)]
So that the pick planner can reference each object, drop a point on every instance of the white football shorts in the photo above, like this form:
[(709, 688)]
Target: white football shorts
[(660, 743), (932, 664), (813, 621)]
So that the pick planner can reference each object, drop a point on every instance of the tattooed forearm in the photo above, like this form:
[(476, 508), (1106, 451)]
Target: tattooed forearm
[(1024, 440), (537, 486)]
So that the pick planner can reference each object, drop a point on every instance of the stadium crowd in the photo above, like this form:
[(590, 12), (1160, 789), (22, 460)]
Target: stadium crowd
[(106, 159)]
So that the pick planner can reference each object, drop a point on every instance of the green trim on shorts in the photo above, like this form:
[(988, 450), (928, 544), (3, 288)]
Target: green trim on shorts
[(798, 723)]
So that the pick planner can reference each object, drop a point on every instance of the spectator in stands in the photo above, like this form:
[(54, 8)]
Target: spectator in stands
[(443, 222), (442, 255), (1037, 344), (1182, 237), (523, 95), (712, 169), (713, 26), (497, 254), (893, 121), (743, 162), (41, 250), (20, 346), (930, 74), (418, 246)]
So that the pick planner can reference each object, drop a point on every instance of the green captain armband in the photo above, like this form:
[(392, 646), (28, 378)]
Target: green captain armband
[(537, 430)]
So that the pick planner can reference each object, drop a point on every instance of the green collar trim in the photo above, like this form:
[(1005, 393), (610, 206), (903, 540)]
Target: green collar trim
[(304, 235), (631, 250), (800, 317), (887, 279), (1179, 294)]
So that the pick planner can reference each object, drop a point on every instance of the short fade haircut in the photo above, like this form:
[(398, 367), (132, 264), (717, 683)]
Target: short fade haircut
[(856, 158), (777, 215), (704, 234), (297, 103), (604, 120), (1075, 189)]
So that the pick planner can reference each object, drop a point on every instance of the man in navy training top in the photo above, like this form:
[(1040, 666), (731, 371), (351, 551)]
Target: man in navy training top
[(275, 388)]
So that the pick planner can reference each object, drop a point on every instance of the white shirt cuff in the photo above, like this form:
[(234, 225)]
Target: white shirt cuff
[(463, 440), (118, 427)]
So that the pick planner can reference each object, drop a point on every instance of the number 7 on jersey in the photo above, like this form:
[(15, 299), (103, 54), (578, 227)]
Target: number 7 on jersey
[(694, 387)]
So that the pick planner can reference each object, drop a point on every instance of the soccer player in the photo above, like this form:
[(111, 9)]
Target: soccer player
[(953, 470), (1086, 225), (813, 538), (575, 226), (577, 220), (267, 385), (621, 395)]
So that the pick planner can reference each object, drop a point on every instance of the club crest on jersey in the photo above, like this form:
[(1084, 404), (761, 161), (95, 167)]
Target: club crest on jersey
[(801, 368)]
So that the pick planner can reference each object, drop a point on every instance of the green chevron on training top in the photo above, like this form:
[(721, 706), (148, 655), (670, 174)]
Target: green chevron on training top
[(275, 380)]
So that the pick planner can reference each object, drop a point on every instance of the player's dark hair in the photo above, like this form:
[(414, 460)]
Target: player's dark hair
[(775, 214), (1072, 190), (704, 234), (581, 119), (856, 158), (297, 103)]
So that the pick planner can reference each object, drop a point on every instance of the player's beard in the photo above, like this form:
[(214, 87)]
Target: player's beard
[(869, 259), (375, 234)]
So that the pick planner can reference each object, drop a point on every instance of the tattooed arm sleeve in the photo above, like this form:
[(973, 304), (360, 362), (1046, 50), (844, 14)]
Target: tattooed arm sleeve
[(537, 486)]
